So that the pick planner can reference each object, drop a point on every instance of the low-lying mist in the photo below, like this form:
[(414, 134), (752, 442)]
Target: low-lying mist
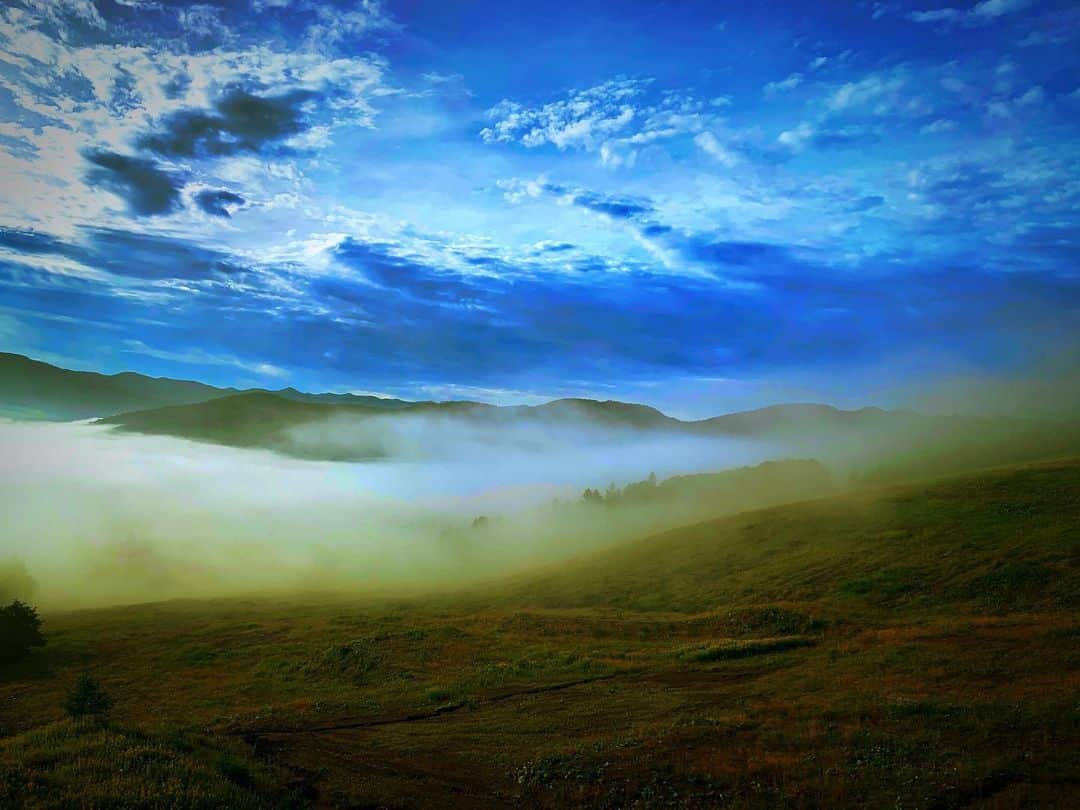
[(95, 516), (98, 517)]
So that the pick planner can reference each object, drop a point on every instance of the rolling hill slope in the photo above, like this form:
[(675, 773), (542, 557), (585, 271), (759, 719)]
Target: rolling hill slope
[(257, 419), (1004, 539)]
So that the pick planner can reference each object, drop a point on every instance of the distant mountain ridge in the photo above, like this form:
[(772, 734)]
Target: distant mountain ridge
[(259, 418), (266, 420), (335, 427), (32, 389)]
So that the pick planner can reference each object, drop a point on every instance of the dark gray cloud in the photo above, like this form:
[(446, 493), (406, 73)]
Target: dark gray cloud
[(756, 257), (554, 247), (402, 276), (240, 122), (218, 203), (126, 253), (129, 254), (619, 208), (177, 85), (613, 206), (655, 229), (36, 243), (148, 189)]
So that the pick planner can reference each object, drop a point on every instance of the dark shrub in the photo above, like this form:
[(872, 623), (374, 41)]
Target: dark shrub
[(87, 699), (20, 630)]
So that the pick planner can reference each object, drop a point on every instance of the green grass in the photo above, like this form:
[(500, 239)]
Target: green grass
[(911, 647), (86, 764)]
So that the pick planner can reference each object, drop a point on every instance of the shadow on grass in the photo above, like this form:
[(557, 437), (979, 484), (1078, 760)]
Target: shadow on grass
[(734, 650), (44, 664)]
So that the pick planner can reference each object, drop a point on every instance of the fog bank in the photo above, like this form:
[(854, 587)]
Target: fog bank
[(95, 516), (99, 517)]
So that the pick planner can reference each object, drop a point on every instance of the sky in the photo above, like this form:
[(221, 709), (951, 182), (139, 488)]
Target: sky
[(699, 206)]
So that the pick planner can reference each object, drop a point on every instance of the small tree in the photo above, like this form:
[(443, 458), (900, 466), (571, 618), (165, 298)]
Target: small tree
[(20, 630), (87, 699)]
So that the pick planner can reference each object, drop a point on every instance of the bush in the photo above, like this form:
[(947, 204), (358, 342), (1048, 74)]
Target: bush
[(87, 699), (20, 630)]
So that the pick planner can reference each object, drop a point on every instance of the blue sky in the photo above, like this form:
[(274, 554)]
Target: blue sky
[(697, 206)]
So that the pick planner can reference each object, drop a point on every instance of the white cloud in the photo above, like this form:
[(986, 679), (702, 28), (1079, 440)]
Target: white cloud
[(434, 77), (59, 12), (988, 9), (1033, 97), (935, 15), (939, 126), (336, 24), (583, 120), (790, 83), (199, 357), (710, 145), (797, 137), (516, 191), (875, 88), (611, 119), (981, 14), (204, 22)]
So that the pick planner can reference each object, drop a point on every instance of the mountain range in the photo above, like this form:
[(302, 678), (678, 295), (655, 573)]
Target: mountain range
[(272, 419), (31, 389)]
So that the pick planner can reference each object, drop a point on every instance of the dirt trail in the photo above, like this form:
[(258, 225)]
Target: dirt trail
[(416, 717)]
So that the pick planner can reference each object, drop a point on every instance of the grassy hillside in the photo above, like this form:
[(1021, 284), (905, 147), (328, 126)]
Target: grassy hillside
[(1009, 536), (257, 419), (910, 647), (799, 418)]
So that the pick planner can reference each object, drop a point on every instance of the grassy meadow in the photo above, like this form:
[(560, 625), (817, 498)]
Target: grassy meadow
[(915, 646)]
